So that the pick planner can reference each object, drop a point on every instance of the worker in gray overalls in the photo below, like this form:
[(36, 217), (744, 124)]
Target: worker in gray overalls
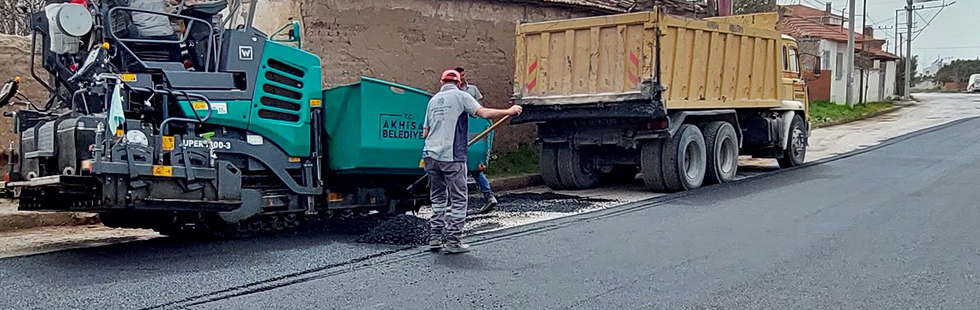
[(478, 175), (445, 129)]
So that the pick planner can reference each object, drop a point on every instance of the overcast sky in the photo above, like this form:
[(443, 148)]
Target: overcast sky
[(949, 35)]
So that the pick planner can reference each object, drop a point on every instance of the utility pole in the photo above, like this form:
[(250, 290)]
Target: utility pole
[(849, 55), (908, 54), (864, 38)]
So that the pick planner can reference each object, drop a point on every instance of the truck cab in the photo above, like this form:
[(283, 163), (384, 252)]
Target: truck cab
[(794, 85)]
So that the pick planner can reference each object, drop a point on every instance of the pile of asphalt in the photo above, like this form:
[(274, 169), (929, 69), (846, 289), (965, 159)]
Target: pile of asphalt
[(546, 202), (404, 229)]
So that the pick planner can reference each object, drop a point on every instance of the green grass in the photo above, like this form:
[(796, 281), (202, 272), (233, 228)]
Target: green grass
[(523, 160), (823, 112)]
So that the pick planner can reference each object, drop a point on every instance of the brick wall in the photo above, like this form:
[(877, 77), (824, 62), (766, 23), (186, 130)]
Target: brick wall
[(954, 86), (818, 87), (412, 41)]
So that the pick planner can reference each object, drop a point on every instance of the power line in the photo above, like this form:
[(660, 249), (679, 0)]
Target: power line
[(927, 23), (948, 47)]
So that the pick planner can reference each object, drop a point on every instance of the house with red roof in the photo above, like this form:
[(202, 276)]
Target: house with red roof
[(823, 36)]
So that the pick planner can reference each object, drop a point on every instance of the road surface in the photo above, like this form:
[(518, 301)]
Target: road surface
[(894, 226)]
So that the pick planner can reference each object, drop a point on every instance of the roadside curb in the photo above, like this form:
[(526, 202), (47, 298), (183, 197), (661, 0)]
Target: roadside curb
[(859, 118), (27, 220), (516, 182)]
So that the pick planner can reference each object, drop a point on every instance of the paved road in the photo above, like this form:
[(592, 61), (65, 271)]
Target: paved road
[(896, 227), (893, 227)]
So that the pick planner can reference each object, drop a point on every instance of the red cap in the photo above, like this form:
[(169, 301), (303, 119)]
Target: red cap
[(450, 75)]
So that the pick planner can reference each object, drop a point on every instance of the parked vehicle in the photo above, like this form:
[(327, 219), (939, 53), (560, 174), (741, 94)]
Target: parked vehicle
[(974, 84), (676, 99)]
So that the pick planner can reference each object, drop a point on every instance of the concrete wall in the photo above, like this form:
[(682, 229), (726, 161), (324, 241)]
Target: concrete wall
[(891, 76), (413, 41)]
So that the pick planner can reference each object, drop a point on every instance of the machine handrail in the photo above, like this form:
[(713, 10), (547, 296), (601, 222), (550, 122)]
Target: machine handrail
[(183, 38)]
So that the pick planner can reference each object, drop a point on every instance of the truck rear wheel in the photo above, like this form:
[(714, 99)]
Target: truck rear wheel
[(548, 163), (684, 159), (576, 171), (795, 154), (651, 165), (722, 152)]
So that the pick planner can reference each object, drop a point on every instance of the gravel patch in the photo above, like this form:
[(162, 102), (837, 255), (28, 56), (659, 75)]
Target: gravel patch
[(546, 202)]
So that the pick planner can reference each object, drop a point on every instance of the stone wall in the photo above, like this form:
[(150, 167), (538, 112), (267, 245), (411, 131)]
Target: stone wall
[(412, 41)]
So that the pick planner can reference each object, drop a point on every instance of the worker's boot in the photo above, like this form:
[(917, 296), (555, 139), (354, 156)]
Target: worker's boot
[(456, 248), (454, 245), (435, 242), (491, 203)]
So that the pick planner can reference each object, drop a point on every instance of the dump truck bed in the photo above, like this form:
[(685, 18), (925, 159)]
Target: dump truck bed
[(702, 64)]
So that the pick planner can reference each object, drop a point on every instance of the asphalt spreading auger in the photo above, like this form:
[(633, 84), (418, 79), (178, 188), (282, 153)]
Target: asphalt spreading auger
[(235, 138)]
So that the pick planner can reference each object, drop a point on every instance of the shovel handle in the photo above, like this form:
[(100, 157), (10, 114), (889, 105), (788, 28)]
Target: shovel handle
[(487, 132), (468, 144)]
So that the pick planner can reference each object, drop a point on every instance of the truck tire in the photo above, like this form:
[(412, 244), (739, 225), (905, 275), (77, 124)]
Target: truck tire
[(795, 154), (651, 165), (548, 163), (722, 153), (575, 173), (684, 159)]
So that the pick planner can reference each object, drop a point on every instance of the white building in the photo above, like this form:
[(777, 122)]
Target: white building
[(821, 33)]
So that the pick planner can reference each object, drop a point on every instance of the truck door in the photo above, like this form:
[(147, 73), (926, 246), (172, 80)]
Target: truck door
[(793, 85)]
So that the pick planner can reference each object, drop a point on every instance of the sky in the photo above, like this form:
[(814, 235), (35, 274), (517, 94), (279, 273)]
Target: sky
[(949, 35)]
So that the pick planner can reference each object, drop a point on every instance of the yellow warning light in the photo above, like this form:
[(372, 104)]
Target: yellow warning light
[(17, 79), (105, 45)]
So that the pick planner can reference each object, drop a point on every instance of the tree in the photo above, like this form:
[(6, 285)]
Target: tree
[(958, 71), (13, 20), (900, 74), (754, 6)]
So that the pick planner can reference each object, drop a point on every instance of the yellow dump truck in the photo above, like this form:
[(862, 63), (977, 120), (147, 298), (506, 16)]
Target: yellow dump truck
[(678, 99)]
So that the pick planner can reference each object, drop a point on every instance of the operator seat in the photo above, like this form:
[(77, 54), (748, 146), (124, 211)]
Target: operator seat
[(123, 27), (201, 37)]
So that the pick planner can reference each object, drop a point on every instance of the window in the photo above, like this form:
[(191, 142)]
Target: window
[(785, 59), (840, 66), (826, 60), (794, 61)]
